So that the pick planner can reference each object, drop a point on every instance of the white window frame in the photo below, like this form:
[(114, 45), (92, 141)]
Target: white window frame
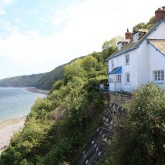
[(127, 78), (112, 64), (119, 46), (118, 78), (127, 60), (158, 76)]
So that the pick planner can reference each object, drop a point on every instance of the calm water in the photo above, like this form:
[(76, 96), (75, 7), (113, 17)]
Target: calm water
[(16, 102)]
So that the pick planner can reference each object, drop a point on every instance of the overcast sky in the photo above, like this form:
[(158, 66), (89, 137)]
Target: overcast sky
[(38, 35)]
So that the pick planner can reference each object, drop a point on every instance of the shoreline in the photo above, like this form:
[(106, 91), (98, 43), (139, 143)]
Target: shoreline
[(35, 90), (8, 128), (4, 123)]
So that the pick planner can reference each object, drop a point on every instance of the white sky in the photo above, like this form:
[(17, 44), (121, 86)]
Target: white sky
[(36, 36)]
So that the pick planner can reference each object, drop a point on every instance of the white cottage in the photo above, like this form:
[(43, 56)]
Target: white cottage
[(140, 58)]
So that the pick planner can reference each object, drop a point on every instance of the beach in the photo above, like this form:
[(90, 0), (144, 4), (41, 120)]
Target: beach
[(35, 90), (18, 102), (7, 130)]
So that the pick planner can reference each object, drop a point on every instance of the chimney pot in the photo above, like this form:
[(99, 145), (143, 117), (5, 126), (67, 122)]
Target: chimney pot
[(160, 13), (128, 34)]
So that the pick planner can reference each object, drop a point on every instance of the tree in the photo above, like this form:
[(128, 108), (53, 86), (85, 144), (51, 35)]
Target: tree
[(57, 85), (88, 63), (107, 52), (150, 23), (112, 42), (74, 69), (138, 26)]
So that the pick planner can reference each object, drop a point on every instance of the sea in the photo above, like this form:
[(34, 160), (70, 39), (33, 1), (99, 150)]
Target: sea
[(16, 102)]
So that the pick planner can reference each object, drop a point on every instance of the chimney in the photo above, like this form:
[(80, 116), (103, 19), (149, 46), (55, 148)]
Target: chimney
[(128, 35), (160, 13)]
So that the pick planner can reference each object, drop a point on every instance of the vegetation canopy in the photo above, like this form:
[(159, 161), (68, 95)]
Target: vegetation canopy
[(60, 125), (140, 138)]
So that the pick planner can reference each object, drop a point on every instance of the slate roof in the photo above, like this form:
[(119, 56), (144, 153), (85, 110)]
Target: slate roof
[(142, 30), (159, 44), (131, 46), (124, 41)]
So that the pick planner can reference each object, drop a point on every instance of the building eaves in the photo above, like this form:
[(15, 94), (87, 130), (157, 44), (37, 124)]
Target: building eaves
[(132, 46)]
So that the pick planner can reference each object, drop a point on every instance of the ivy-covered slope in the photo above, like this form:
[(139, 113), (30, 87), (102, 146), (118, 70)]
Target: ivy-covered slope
[(59, 126)]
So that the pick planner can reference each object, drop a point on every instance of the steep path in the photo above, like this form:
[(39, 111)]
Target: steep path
[(95, 149)]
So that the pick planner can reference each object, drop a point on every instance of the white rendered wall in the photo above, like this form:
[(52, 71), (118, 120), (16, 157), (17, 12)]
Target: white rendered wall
[(143, 65), (131, 69), (159, 33), (157, 62)]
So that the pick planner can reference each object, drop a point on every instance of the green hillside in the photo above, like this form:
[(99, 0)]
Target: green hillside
[(48, 79), (42, 81), (21, 81)]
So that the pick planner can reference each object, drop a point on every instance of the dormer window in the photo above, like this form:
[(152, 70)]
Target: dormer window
[(121, 44), (135, 37), (140, 33)]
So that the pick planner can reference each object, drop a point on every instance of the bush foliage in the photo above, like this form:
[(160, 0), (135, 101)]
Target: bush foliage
[(140, 138)]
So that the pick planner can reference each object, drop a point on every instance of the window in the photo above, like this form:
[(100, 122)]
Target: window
[(119, 46), (112, 64), (135, 37), (118, 78), (159, 75), (127, 78), (127, 59)]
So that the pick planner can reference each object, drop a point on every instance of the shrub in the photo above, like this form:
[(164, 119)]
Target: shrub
[(141, 137)]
